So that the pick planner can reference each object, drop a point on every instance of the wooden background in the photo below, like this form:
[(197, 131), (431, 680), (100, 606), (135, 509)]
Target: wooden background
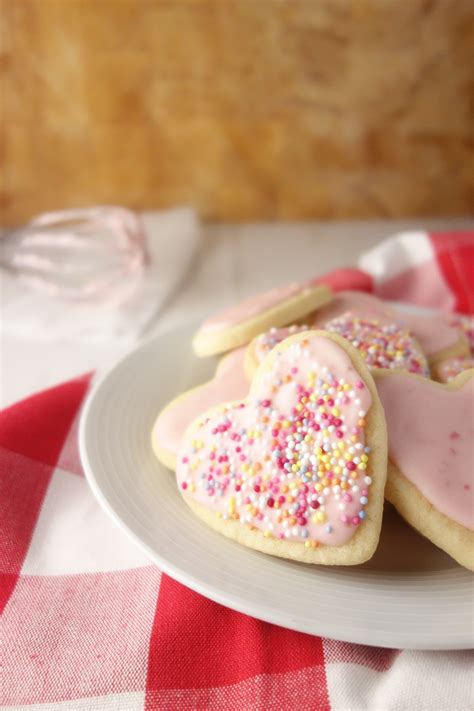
[(246, 109)]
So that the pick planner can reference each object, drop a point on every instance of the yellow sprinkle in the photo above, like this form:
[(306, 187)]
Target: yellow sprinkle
[(307, 544), (192, 488), (346, 386), (336, 412), (320, 517), (337, 470), (319, 487), (231, 505), (364, 458), (285, 423), (266, 534)]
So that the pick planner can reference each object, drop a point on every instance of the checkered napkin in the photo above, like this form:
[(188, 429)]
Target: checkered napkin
[(89, 623)]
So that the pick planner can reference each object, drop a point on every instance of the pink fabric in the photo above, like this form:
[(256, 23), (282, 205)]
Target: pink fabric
[(88, 620)]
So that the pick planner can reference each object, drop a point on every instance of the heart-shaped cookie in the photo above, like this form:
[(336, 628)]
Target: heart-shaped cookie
[(431, 457), (382, 343), (298, 468)]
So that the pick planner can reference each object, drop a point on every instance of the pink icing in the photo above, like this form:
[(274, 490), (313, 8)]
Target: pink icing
[(451, 367), (229, 383), (282, 451), (430, 439), (253, 307), (432, 332)]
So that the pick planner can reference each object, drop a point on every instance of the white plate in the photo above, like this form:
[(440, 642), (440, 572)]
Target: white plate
[(410, 595)]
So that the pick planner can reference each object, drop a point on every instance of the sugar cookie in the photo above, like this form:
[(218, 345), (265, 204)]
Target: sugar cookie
[(297, 469), (228, 383), (383, 344), (238, 325), (431, 455)]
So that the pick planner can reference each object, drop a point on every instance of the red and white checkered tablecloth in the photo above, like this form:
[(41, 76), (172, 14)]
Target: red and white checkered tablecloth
[(89, 623)]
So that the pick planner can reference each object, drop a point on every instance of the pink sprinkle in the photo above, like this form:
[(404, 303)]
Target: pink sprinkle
[(339, 434), (271, 502), (345, 400), (210, 492), (356, 521), (294, 370), (185, 460), (281, 499), (251, 441), (212, 455), (246, 500), (302, 521), (266, 403), (347, 497), (242, 457), (360, 385), (351, 466), (364, 492), (314, 504), (237, 487), (344, 518), (184, 485)]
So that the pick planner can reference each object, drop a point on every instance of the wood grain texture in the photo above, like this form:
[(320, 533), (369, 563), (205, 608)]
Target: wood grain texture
[(250, 109)]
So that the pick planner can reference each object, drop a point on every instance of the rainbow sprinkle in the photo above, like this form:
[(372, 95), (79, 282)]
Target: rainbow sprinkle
[(382, 344)]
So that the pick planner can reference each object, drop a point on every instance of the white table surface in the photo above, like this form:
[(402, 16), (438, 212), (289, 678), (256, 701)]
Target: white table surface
[(232, 262)]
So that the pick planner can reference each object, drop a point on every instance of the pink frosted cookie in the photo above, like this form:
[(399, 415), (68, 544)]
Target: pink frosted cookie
[(238, 325), (431, 455), (449, 369), (297, 469), (381, 343), (228, 383)]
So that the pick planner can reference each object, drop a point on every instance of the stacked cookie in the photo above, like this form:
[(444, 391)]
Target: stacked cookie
[(321, 406)]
